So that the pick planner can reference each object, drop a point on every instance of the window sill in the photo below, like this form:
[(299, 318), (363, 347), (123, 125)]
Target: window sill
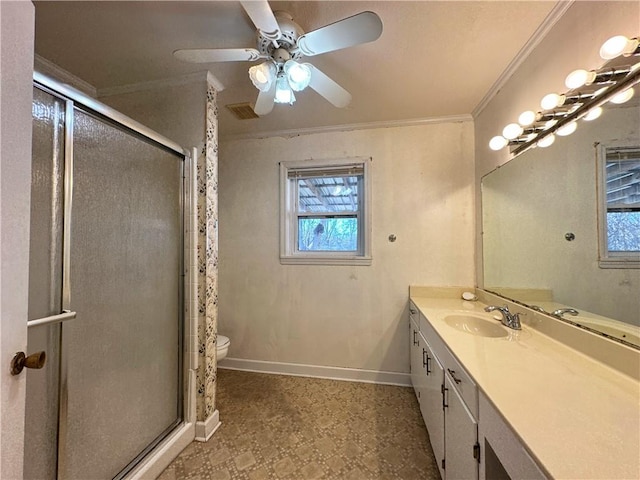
[(312, 260), (618, 263)]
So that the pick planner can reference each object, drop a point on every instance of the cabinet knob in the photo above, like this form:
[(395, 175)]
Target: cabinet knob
[(20, 361)]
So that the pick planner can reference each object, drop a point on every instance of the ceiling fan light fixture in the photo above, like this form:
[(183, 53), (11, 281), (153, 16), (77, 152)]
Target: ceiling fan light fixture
[(284, 94), (298, 75), (263, 75)]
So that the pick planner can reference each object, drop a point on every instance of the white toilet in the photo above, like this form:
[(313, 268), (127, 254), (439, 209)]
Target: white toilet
[(222, 346)]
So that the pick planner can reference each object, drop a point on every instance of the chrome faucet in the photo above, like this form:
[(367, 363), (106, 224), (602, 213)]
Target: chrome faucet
[(511, 320), (561, 311)]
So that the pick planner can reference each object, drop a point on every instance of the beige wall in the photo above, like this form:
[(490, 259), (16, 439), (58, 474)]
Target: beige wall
[(572, 43), (345, 316), (177, 112)]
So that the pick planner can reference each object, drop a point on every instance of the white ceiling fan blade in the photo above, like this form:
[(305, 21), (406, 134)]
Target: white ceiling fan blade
[(262, 17), (265, 100), (208, 55), (329, 89), (361, 28)]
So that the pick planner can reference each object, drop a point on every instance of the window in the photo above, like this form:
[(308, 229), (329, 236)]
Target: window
[(619, 211), (324, 212)]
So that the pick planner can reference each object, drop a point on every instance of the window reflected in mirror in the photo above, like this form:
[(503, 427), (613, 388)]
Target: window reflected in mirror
[(620, 203)]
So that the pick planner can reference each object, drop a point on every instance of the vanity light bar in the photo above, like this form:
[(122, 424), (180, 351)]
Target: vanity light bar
[(560, 111)]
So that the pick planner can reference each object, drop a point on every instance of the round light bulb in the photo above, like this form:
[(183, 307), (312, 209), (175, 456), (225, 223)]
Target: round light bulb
[(261, 77), (546, 141), (551, 101), (550, 123), (593, 114), (512, 131), (298, 75), (616, 46), (498, 142), (527, 118), (567, 129), (284, 94), (578, 78), (622, 97)]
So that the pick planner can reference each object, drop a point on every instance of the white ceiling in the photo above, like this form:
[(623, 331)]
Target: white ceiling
[(434, 58)]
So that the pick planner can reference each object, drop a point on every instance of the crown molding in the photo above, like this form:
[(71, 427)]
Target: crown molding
[(47, 67), (204, 76), (559, 9), (295, 132)]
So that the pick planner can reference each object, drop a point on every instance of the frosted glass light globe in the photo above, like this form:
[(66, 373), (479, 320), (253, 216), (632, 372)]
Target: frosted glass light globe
[(552, 100), (567, 129), (298, 74), (498, 143), (623, 96), (578, 78), (512, 131), (527, 118), (616, 46), (546, 141), (593, 114)]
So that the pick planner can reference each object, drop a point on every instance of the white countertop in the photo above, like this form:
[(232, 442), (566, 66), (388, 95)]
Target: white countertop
[(577, 417)]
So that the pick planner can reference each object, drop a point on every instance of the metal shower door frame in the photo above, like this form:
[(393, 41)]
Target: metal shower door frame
[(75, 99)]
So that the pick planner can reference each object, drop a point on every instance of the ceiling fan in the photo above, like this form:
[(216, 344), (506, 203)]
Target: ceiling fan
[(282, 43)]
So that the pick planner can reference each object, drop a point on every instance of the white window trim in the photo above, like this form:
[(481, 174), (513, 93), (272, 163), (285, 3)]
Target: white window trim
[(607, 259), (288, 252)]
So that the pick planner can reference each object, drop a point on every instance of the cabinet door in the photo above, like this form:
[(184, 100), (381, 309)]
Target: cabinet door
[(460, 436), (431, 406)]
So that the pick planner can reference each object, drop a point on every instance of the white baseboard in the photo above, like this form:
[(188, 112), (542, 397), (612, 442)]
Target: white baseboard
[(160, 458), (205, 429), (317, 371)]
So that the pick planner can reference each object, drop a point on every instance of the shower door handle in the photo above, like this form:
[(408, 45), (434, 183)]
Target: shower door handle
[(59, 318)]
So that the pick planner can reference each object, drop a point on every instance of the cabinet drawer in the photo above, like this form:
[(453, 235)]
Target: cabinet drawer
[(414, 314), (463, 382)]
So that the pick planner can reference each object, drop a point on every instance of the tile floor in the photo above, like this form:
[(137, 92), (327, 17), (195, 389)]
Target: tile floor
[(281, 427)]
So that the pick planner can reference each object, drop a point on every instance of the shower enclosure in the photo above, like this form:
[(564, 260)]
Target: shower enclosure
[(106, 289)]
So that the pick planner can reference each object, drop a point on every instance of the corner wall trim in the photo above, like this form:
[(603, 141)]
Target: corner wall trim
[(552, 18), (296, 132), (47, 67), (205, 429), (317, 371)]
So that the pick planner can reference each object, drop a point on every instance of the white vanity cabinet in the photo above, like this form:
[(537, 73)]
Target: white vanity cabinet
[(460, 435), (448, 401), (431, 403), (416, 350)]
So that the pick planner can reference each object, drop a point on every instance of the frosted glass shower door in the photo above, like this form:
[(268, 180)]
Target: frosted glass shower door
[(121, 356), (45, 283)]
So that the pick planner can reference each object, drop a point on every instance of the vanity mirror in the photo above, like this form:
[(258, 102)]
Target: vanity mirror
[(543, 239)]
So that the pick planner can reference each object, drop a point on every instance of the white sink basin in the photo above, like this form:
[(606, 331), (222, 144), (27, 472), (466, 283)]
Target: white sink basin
[(476, 326)]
